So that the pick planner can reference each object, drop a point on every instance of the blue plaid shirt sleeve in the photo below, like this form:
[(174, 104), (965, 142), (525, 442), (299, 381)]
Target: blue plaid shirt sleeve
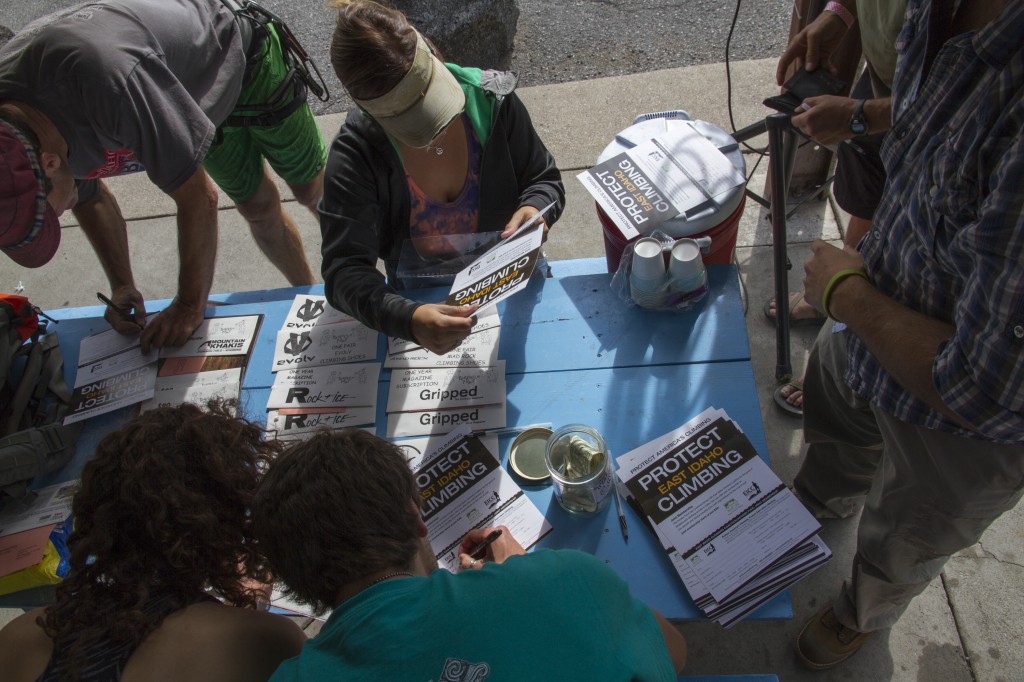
[(980, 371), (948, 236)]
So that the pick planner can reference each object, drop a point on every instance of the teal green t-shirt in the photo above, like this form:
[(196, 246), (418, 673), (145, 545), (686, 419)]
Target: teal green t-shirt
[(551, 615)]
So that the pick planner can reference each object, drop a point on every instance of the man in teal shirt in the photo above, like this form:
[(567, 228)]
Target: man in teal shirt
[(338, 521)]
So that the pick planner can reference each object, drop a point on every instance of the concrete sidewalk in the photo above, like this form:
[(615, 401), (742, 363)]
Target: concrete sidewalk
[(961, 629)]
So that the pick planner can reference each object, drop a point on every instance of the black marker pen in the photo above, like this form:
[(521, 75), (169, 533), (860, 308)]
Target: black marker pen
[(125, 313)]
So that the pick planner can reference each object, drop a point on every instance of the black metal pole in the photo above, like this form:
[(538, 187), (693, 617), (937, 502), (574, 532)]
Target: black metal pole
[(778, 124)]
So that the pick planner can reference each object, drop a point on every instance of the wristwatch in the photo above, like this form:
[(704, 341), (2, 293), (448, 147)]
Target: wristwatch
[(859, 124)]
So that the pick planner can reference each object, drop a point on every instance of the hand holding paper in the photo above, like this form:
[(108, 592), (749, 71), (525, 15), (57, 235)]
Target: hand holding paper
[(504, 269), (441, 328), (521, 217)]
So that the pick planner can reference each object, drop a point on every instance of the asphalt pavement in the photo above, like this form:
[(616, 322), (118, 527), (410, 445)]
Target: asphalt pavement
[(562, 40)]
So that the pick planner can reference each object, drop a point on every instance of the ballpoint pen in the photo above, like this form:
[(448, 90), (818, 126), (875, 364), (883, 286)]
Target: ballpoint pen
[(482, 545), (125, 314), (622, 515)]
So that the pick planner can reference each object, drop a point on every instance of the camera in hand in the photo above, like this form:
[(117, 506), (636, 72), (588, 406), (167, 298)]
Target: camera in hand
[(804, 84)]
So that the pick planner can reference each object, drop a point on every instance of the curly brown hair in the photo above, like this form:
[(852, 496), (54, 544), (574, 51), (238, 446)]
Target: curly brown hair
[(163, 507), (334, 509)]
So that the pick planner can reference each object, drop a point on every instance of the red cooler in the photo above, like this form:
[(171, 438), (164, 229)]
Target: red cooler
[(719, 222)]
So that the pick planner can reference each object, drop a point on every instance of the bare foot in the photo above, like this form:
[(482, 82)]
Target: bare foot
[(799, 308), (793, 395)]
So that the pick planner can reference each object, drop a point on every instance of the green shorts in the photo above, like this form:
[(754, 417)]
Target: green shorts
[(294, 147)]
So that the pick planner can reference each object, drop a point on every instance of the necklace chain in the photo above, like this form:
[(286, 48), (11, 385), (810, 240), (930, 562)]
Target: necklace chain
[(388, 576), (438, 149)]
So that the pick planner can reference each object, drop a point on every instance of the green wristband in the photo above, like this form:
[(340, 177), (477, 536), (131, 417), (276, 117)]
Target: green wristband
[(833, 283)]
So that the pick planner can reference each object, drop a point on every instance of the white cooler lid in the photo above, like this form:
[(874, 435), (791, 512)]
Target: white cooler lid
[(651, 125)]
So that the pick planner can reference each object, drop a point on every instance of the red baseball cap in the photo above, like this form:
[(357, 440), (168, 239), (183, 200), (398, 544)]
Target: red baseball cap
[(29, 229)]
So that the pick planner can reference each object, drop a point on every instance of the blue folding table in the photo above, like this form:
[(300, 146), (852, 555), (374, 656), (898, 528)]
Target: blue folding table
[(573, 352)]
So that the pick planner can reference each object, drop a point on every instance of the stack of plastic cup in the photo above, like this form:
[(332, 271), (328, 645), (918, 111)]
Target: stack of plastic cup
[(647, 276), (685, 267)]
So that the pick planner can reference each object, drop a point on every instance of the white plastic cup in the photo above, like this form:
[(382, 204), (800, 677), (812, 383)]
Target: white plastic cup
[(685, 267), (648, 263)]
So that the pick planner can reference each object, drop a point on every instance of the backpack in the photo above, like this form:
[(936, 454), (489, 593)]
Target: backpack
[(33, 399)]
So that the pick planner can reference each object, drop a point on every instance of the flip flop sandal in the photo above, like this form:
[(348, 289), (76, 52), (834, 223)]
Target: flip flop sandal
[(794, 299), (785, 405)]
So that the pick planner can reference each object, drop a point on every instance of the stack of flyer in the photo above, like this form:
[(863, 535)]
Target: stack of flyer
[(113, 372), (463, 486), (321, 377), (432, 394), (734, 533), (209, 365)]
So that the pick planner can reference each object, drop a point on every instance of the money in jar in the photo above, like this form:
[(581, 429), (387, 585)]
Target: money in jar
[(580, 466)]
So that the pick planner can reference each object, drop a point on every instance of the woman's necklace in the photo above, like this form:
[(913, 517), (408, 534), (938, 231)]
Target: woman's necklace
[(438, 149)]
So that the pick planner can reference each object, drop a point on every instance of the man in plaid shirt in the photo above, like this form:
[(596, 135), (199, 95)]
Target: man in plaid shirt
[(915, 405)]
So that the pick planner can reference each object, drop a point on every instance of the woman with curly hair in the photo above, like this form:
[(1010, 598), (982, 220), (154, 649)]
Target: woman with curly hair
[(162, 521)]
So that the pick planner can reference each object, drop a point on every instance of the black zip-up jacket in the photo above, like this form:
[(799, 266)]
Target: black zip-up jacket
[(364, 214)]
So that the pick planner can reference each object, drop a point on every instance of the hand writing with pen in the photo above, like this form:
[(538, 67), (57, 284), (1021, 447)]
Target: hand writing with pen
[(482, 545)]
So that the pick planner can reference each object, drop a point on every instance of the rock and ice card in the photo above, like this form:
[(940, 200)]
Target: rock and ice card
[(426, 389), (310, 311), (218, 336), (324, 345), (290, 424), (349, 385)]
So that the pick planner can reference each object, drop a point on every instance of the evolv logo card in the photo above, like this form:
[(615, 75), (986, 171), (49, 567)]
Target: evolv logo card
[(309, 311), (328, 345), (288, 426)]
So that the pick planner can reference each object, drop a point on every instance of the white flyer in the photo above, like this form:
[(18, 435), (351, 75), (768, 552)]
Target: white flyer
[(123, 361), (478, 418), (198, 388), (476, 350), (415, 449), (108, 353), (485, 319), (289, 425), (437, 389), (309, 311), (349, 385), (677, 172), (714, 500), (93, 398), (324, 345), (103, 345), (463, 486), (504, 269), (218, 336), (45, 507)]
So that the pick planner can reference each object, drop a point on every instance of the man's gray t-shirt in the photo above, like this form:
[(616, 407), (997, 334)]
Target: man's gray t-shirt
[(130, 84)]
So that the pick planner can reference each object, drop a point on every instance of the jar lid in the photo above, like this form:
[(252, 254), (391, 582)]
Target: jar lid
[(526, 455)]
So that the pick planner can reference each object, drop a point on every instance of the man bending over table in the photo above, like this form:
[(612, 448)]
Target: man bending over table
[(338, 520), (187, 91)]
